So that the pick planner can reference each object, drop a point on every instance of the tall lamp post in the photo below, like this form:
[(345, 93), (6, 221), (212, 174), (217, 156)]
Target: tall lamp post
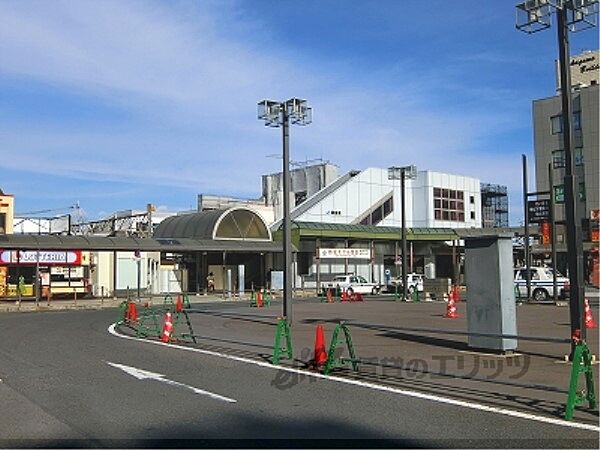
[(279, 114), (402, 173), (571, 15)]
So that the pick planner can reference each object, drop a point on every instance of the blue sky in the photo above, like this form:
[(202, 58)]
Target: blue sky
[(115, 104)]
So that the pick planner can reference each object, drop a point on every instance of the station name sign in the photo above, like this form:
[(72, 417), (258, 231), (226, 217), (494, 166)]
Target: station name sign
[(538, 210), (350, 253), (45, 257)]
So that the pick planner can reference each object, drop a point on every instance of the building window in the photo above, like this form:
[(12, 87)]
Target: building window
[(579, 156), (448, 204), (300, 197), (558, 159), (388, 207), (379, 213), (472, 199), (557, 123), (472, 215)]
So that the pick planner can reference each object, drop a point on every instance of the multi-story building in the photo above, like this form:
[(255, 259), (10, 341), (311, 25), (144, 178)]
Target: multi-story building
[(305, 181), (549, 150), (7, 207)]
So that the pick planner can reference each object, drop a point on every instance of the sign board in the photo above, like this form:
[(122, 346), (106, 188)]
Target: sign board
[(47, 258), (538, 211), (277, 280), (559, 194), (350, 253)]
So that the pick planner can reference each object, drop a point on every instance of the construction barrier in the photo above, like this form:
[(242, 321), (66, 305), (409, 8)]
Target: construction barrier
[(582, 365), (283, 341), (334, 358)]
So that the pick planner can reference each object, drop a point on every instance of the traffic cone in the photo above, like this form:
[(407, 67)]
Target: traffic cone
[(259, 301), (131, 315), (178, 304), (456, 294), (589, 318), (329, 296), (358, 297), (320, 356), (167, 328), (344, 296), (451, 312)]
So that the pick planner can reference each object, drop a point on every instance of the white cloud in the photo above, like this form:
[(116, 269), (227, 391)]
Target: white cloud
[(190, 86)]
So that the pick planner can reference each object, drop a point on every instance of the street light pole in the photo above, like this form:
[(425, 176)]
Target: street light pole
[(403, 199), (574, 235), (287, 234), (402, 173), (279, 114)]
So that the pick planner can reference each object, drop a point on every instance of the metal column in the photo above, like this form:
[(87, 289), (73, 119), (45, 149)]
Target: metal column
[(287, 235)]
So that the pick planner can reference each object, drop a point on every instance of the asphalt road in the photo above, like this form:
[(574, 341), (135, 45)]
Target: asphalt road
[(59, 390)]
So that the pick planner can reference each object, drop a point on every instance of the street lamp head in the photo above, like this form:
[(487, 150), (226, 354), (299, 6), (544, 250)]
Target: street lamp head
[(536, 15), (298, 111), (271, 112), (396, 173)]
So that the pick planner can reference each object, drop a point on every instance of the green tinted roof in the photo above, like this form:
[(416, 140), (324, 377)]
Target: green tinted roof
[(370, 231)]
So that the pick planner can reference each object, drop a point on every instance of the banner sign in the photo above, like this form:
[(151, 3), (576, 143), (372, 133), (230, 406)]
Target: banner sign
[(46, 258), (538, 210), (351, 253)]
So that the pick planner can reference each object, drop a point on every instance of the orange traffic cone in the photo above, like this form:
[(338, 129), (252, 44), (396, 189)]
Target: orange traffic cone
[(320, 357), (131, 315), (456, 294), (259, 300), (344, 296), (167, 328), (178, 304), (329, 296), (451, 312), (589, 318)]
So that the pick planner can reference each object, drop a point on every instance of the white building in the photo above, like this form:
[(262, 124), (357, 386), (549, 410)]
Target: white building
[(368, 197)]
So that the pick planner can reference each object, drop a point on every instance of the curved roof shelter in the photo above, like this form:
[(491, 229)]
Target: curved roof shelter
[(239, 224)]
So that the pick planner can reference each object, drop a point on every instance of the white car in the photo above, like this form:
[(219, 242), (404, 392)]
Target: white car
[(541, 283), (354, 284), (413, 281)]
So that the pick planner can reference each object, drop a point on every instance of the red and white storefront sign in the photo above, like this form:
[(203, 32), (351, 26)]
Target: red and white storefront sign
[(45, 257)]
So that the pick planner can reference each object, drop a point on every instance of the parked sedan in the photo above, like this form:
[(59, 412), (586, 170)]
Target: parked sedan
[(354, 284)]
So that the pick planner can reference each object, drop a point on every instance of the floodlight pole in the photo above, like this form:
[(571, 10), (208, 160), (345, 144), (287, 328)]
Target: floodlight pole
[(573, 223), (287, 234), (402, 199)]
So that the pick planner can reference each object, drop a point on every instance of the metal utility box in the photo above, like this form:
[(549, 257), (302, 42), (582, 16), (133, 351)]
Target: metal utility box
[(491, 307)]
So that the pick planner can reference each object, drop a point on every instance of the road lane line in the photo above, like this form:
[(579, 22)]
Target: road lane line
[(378, 387)]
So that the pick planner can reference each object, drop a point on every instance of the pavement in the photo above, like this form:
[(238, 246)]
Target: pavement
[(66, 381)]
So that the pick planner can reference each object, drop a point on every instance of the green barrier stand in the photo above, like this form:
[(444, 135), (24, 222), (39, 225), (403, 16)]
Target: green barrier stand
[(582, 364), (336, 339), (396, 293), (415, 295), (338, 294), (266, 298), (179, 317), (253, 299), (122, 312), (282, 332), (148, 324), (186, 301)]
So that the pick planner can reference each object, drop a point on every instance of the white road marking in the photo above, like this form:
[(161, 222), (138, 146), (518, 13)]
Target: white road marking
[(378, 387), (146, 375)]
